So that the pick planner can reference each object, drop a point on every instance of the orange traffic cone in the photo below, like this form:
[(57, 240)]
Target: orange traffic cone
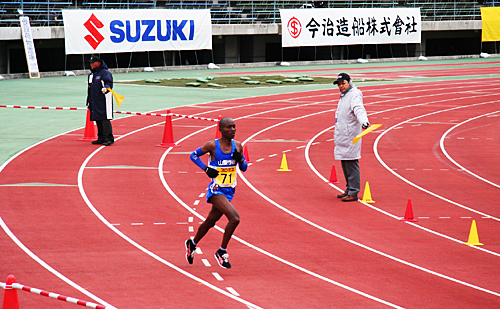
[(89, 135), (218, 133), (245, 153), (409, 213), (333, 176), (168, 134), (10, 300)]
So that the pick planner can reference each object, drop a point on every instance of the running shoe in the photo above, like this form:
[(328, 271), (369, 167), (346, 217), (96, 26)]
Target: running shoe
[(190, 249), (222, 258)]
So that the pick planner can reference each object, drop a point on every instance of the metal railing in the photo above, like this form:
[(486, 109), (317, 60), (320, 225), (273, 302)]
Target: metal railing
[(48, 12)]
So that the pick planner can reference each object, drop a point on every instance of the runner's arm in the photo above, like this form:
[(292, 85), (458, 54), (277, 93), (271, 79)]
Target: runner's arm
[(195, 157)]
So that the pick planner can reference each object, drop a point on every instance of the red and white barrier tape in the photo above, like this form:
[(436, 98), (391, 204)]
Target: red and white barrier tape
[(45, 107), (194, 117), (116, 112), (52, 295)]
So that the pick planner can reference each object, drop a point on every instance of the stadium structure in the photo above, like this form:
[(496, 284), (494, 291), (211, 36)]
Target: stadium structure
[(243, 32)]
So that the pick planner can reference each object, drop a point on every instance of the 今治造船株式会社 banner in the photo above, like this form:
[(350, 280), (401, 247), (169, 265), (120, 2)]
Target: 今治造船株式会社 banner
[(327, 27), (116, 31)]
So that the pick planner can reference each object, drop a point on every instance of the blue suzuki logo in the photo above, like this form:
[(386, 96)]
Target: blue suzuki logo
[(165, 30)]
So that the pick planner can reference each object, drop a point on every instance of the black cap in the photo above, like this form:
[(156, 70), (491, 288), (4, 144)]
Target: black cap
[(95, 59), (341, 77)]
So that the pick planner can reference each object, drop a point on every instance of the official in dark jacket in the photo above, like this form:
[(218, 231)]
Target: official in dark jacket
[(100, 100)]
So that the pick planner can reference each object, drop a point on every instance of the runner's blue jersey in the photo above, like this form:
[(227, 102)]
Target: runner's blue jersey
[(226, 166)]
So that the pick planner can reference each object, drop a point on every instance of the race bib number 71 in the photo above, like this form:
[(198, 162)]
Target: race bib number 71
[(226, 177)]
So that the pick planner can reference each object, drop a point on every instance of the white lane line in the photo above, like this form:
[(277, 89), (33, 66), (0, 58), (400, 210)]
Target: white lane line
[(115, 224), (206, 262), (388, 214), (377, 155), (232, 291), (423, 217), (219, 278), (160, 223), (137, 245), (455, 162), (198, 250), (444, 217), (273, 155), (49, 268), (172, 193), (136, 223), (258, 160), (196, 202), (202, 195), (418, 89), (465, 217), (303, 146), (328, 140), (286, 150)]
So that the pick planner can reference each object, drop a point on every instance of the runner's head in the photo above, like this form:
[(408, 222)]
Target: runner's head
[(227, 127)]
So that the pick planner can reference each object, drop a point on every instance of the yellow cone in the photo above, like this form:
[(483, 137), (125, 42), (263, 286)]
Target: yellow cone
[(119, 98), (367, 196), (473, 237), (284, 165)]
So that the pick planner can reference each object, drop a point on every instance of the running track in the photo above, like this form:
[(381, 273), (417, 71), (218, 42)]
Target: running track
[(111, 221)]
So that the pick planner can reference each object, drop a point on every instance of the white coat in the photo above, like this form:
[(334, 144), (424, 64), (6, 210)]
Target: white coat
[(350, 115)]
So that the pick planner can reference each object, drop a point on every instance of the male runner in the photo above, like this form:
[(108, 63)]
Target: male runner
[(225, 154)]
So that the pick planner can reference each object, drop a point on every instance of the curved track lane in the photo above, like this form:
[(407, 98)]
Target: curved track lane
[(311, 251)]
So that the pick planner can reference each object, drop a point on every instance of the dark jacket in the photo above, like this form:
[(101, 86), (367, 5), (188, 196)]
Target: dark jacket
[(99, 104)]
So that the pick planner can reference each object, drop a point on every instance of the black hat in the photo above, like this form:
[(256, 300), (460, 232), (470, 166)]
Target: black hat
[(95, 59), (341, 77)]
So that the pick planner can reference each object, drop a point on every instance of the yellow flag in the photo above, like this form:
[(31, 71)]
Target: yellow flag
[(119, 98), (491, 24), (360, 135)]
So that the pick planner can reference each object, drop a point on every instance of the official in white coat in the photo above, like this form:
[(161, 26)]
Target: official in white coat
[(350, 119)]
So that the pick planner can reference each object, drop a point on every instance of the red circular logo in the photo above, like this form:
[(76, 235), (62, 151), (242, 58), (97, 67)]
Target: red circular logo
[(294, 27)]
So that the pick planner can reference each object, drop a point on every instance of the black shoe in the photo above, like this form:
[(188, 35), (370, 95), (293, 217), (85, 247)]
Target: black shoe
[(108, 143), (190, 249), (222, 258), (98, 142)]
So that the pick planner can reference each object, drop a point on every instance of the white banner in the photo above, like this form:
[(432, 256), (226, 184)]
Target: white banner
[(326, 27), (29, 47), (117, 31)]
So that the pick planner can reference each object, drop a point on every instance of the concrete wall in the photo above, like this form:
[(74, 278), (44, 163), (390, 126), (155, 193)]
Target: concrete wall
[(237, 43)]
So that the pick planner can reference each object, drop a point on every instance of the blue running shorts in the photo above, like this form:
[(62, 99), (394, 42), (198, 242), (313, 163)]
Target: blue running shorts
[(213, 189)]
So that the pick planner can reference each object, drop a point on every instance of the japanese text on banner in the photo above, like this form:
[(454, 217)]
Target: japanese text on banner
[(323, 27)]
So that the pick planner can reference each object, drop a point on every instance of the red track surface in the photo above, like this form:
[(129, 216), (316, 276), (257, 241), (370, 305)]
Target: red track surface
[(117, 229), (369, 68)]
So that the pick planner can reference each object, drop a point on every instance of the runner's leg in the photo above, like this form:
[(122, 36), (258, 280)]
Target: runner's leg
[(213, 216), (224, 206)]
